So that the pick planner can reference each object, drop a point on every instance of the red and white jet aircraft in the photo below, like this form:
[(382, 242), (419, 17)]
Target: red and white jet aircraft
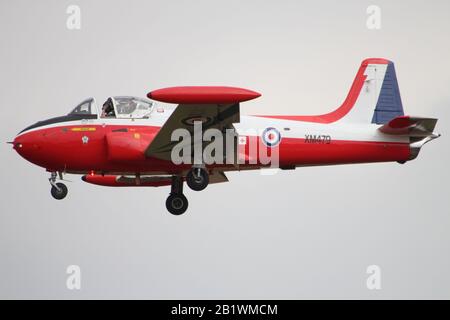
[(130, 141)]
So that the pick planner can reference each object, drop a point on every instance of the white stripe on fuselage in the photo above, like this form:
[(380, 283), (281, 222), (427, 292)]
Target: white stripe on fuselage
[(299, 129), (156, 120), (254, 125)]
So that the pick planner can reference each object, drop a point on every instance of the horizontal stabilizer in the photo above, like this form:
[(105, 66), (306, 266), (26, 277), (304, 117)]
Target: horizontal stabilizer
[(410, 126)]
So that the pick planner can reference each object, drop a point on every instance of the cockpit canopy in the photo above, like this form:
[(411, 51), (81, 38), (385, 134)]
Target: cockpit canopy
[(88, 106), (132, 107), (116, 107)]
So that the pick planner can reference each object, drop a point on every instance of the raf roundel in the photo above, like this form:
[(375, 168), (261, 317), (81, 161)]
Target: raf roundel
[(271, 137)]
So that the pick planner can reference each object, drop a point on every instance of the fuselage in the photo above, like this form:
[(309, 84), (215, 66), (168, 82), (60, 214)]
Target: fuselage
[(117, 146)]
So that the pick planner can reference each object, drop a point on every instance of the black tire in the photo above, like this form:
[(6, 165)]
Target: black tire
[(177, 204), (197, 179), (61, 193)]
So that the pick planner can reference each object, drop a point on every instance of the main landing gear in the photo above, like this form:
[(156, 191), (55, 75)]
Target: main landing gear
[(58, 190), (197, 178), (177, 203)]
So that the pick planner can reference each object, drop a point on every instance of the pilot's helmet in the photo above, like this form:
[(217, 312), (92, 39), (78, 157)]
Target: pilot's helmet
[(108, 106)]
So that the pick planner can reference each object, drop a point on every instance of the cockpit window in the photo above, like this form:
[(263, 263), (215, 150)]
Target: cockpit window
[(116, 107), (85, 107), (131, 107)]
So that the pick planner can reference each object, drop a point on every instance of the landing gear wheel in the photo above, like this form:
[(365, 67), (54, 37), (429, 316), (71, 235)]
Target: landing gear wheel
[(61, 193), (177, 204), (197, 179)]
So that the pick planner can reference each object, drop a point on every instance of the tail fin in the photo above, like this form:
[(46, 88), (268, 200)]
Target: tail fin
[(378, 96), (374, 97), (389, 103)]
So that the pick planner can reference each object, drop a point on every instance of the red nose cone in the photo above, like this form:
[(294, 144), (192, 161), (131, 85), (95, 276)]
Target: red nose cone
[(18, 143), (203, 95), (29, 146)]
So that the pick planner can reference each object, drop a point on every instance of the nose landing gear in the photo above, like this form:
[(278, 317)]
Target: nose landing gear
[(177, 203), (59, 190)]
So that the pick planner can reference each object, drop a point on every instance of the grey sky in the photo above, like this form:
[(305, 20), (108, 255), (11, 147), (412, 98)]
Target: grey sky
[(308, 233)]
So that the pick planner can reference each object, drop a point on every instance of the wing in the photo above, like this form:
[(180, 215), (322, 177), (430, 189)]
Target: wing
[(156, 181), (214, 107), (211, 115), (217, 177)]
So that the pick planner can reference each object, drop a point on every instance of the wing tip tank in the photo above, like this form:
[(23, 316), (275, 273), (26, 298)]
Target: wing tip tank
[(203, 95)]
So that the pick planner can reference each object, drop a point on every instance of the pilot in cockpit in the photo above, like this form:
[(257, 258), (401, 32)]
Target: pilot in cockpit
[(126, 106), (108, 109)]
